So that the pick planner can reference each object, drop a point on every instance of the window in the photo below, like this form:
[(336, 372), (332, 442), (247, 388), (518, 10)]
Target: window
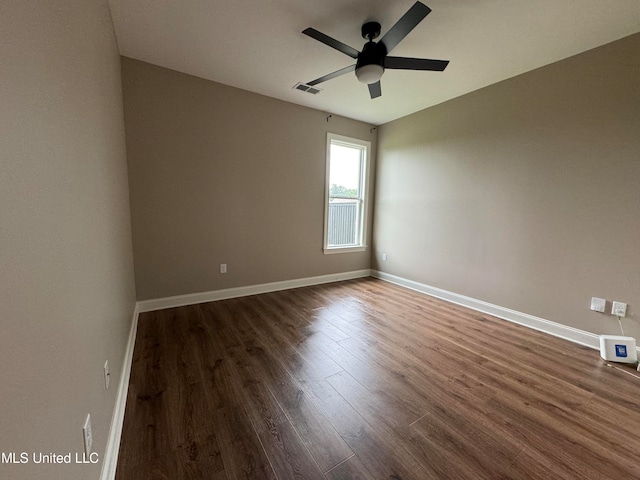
[(346, 194)]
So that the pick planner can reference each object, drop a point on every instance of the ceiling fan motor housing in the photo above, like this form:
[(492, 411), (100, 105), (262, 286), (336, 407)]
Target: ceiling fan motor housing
[(372, 53)]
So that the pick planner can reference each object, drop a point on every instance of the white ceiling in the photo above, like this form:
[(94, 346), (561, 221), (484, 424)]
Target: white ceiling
[(257, 45)]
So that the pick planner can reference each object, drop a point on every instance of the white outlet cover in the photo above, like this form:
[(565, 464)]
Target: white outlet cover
[(598, 304), (87, 435), (619, 309), (107, 375)]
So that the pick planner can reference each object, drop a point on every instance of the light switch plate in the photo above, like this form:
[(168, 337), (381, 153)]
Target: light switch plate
[(598, 304)]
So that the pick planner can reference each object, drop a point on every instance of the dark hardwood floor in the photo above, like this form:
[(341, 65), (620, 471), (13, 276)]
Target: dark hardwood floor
[(367, 380)]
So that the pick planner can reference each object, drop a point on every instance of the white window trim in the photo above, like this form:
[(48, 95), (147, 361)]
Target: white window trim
[(362, 246)]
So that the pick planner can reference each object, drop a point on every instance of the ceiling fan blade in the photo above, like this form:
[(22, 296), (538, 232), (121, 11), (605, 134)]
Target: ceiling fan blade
[(404, 63), (375, 89), (403, 26), (332, 42), (335, 74)]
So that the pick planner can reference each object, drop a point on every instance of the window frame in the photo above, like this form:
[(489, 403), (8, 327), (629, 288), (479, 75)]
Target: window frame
[(363, 198)]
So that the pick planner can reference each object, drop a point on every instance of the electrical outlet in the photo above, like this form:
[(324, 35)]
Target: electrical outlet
[(106, 375), (384, 257), (598, 304), (223, 268), (619, 309), (87, 435)]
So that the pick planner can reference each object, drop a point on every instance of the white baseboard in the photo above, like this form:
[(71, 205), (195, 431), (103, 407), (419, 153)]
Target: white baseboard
[(110, 459), (575, 335), (212, 296)]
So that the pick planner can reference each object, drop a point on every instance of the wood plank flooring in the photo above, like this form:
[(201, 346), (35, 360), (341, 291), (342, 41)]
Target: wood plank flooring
[(367, 380)]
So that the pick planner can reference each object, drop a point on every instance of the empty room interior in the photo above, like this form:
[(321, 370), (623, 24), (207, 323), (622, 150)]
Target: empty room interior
[(319, 240)]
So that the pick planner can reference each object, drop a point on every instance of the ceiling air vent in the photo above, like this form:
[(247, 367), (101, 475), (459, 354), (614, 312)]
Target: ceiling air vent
[(306, 88)]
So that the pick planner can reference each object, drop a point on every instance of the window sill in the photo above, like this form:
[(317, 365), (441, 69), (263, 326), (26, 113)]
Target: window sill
[(355, 248)]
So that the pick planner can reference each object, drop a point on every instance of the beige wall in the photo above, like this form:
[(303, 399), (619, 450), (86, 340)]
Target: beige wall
[(525, 194), (66, 278), (221, 175)]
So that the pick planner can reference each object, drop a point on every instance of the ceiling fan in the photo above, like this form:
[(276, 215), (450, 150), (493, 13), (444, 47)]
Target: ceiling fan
[(372, 61)]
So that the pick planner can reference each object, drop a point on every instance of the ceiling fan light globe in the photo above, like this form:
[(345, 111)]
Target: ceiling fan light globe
[(369, 73)]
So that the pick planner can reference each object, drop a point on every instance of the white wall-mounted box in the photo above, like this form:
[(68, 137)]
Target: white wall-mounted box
[(615, 348)]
